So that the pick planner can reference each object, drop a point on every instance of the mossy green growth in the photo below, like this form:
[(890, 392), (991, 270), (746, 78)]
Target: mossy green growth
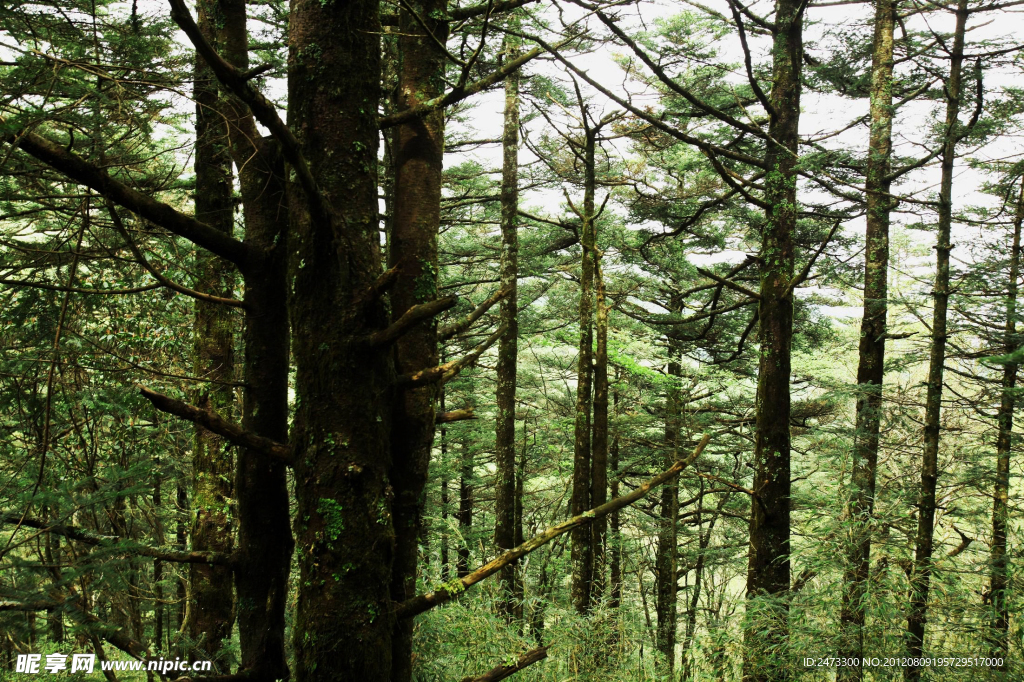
[(331, 510)]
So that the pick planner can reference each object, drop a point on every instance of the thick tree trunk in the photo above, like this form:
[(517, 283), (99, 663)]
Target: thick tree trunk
[(412, 249), (264, 524), (921, 577), (1000, 505), (581, 552), (666, 561), (768, 559), (508, 345), (343, 383), (211, 607), (870, 370)]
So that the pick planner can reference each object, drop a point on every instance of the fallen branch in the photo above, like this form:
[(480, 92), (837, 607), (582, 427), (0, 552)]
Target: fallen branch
[(412, 317), (449, 370), (503, 671), (448, 331), (424, 602), (212, 421)]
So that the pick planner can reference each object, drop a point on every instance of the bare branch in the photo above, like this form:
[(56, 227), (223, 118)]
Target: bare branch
[(412, 317), (730, 284), (450, 370), (448, 331), (424, 602), (503, 671), (214, 422), (454, 416)]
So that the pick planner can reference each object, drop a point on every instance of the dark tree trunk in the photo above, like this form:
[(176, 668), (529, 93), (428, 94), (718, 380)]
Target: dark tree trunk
[(412, 249), (343, 383), (581, 553), (508, 345), (1000, 504), (921, 577), (768, 558), (264, 523), (465, 514), (870, 370), (615, 536), (210, 594), (666, 560)]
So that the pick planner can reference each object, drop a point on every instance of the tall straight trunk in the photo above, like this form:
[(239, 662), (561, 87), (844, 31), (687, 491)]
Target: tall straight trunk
[(446, 570), (210, 607), (264, 523), (1000, 504), (599, 445), (666, 560), (921, 577), (768, 559), (343, 383), (581, 552), (181, 541), (615, 536), (158, 565), (465, 513), (418, 150), (508, 345), (870, 369)]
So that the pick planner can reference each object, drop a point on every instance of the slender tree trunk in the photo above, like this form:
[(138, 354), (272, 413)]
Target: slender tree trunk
[(412, 249), (768, 558), (581, 553), (341, 434), (447, 572), (870, 371), (1000, 504), (181, 540), (666, 561), (264, 523), (465, 514), (210, 594), (508, 345), (158, 566), (921, 577), (599, 462), (615, 539)]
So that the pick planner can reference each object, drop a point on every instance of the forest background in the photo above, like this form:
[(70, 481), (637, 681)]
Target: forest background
[(418, 340)]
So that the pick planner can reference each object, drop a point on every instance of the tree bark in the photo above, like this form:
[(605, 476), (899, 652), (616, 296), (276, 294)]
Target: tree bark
[(344, 386), (508, 345), (921, 577), (412, 249), (210, 593), (667, 553), (465, 513), (599, 444), (999, 581), (870, 370), (581, 552), (768, 559)]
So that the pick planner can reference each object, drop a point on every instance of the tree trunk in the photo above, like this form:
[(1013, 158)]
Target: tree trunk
[(1000, 504), (581, 553), (465, 514), (264, 523), (599, 445), (343, 384), (870, 370), (768, 559), (412, 249), (508, 345), (615, 537), (210, 594), (666, 561), (921, 577)]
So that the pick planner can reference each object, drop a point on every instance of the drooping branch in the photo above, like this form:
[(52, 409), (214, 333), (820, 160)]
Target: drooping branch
[(96, 178), (168, 283), (503, 671), (238, 82), (448, 331), (214, 422), (425, 602), (449, 370), (454, 416), (412, 317), (498, 6), (806, 271), (128, 546)]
